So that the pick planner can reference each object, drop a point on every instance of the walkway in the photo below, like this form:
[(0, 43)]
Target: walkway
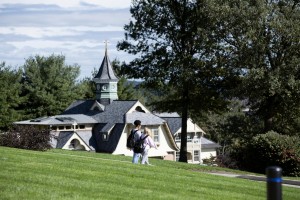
[(290, 183)]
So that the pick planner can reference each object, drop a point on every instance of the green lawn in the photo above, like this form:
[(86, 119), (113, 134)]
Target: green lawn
[(59, 174)]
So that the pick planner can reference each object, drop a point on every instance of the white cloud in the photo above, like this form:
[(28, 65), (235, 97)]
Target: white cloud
[(73, 3), (74, 28), (40, 32)]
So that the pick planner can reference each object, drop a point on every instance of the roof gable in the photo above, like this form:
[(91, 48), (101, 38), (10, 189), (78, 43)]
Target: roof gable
[(97, 107), (138, 107), (114, 112), (108, 143), (176, 122), (80, 107), (63, 138), (145, 118)]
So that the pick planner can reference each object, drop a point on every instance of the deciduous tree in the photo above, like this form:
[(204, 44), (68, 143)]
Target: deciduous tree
[(176, 55), (263, 39)]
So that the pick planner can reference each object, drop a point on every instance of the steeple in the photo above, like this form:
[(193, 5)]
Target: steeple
[(106, 81)]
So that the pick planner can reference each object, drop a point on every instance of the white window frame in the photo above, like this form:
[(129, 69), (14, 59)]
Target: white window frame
[(177, 155), (197, 155), (156, 137), (105, 136), (189, 137)]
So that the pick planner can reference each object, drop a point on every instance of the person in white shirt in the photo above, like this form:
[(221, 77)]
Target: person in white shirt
[(148, 143)]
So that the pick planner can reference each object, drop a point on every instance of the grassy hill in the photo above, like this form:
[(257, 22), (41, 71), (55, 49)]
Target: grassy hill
[(60, 174)]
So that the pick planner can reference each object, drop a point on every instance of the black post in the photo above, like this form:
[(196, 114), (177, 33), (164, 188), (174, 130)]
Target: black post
[(274, 182)]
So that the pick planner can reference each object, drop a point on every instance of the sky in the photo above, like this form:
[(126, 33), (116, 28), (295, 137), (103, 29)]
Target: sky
[(76, 29)]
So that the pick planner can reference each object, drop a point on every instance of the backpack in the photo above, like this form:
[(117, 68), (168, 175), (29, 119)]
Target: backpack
[(139, 145), (130, 140)]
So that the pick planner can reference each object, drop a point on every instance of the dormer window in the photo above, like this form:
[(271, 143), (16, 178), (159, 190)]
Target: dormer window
[(139, 109), (105, 136)]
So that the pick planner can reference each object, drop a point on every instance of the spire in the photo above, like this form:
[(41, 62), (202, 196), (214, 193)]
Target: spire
[(106, 82), (106, 72), (106, 47)]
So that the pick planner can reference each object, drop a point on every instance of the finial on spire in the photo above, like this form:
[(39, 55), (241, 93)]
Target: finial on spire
[(106, 42)]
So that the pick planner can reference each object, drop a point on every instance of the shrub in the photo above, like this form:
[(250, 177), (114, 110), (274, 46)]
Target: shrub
[(225, 160), (271, 149), (211, 161), (26, 137)]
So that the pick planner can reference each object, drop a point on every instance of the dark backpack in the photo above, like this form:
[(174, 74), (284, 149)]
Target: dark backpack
[(130, 140), (139, 145)]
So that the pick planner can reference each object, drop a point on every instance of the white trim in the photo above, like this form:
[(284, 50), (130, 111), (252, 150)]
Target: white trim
[(75, 136), (133, 108)]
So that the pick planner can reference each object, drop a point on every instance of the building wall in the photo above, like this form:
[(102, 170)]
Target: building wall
[(161, 151), (170, 156), (121, 147), (207, 153)]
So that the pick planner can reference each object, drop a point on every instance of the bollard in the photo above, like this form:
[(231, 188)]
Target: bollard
[(274, 182)]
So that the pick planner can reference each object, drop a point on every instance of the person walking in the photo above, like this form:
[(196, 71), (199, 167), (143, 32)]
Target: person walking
[(137, 135), (148, 143)]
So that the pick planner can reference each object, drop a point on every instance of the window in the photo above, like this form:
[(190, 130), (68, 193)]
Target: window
[(81, 126), (177, 155), (105, 137), (61, 127), (196, 156), (139, 109), (155, 135), (189, 137), (196, 139)]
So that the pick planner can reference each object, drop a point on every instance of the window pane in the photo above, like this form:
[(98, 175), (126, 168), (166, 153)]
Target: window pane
[(177, 155), (196, 156), (155, 135)]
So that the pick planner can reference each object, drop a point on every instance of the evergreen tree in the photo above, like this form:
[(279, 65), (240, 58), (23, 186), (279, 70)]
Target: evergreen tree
[(10, 88), (126, 90), (49, 86)]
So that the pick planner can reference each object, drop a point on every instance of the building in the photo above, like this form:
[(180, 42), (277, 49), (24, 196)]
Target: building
[(198, 147), (103, 124)]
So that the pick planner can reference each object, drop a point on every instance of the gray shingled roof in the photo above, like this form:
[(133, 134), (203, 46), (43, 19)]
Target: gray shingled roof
[(115, 112), (174, 123), (110, 145), (208, 144), (107, 127), (105, 73), (80, 107), (60, 120), (63, 138), (86, 136), (145, 118), (165, 114)]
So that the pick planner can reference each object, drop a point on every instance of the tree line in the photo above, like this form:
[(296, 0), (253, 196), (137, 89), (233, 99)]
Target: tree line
[(46, 86)]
